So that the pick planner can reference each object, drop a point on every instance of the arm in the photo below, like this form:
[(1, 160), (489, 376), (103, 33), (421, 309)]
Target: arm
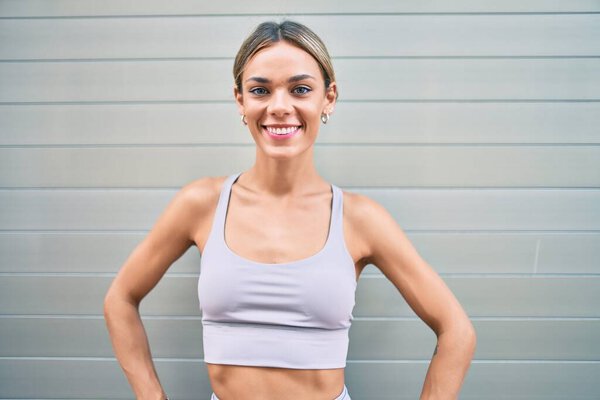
[(170, 237), (427, 295)]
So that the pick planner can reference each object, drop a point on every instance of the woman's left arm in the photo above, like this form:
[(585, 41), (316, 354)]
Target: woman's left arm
[(428, 296)]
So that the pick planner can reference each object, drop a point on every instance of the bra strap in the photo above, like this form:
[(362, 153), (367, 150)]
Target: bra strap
[(219, 219), (336, 213)]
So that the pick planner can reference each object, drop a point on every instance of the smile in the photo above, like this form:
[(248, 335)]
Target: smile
[(282, 132)]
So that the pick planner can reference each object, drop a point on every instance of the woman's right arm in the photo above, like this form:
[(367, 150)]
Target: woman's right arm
[(169, 238)]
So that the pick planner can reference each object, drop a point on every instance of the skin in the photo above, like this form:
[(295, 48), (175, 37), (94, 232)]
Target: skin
[(283, 191)]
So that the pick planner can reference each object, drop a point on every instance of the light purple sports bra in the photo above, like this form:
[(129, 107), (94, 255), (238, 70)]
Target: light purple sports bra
[(288, 315)]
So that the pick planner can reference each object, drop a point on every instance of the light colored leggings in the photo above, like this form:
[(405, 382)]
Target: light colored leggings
[(343, 396)]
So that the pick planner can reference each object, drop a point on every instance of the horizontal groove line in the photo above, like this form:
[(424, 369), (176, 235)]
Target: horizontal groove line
[(478, 361), (354, 187), (347, 57), (292, 14), (199, 317), (484, 361), (89, 274), (230, 102), (538, 275), (402, 361), (529, 275), (495, 318), (253, 145), (408, 230)]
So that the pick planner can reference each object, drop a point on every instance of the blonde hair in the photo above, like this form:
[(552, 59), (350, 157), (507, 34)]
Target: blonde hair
[(268, 33)]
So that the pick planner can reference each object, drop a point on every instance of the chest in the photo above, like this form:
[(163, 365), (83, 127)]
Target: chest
[(277, 233), (285, 232)]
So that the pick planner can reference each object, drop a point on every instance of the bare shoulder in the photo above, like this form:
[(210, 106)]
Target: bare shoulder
[(201, 197), (372, 222), (363, 215), (200, 193), (357, 204)]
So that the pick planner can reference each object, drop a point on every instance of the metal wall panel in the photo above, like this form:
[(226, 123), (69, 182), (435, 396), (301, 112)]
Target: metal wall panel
[(186, 379), (496, 295), (388, 36), (59, 8), (370, 338), (475, 124), (449, 252), (386, 123), (380, 165), (363, 79)]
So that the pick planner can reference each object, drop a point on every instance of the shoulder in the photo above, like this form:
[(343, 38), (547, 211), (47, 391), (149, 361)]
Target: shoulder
[(358, 204), (368, 220), (364, 211), (200, 195)]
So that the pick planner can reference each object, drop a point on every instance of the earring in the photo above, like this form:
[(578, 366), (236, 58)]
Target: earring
[(244, 120), (324, 117)]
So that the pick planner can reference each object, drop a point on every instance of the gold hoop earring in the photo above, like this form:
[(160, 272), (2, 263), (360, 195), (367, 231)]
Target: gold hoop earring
[(324, 118), (244, 120)]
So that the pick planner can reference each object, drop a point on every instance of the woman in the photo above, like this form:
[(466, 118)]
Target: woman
[(282, 250)]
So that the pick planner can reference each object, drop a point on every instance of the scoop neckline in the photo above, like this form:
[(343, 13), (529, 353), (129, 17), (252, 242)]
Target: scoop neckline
[(289, 263)]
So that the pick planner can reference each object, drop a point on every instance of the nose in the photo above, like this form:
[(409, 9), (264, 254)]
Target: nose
[(280, 104)]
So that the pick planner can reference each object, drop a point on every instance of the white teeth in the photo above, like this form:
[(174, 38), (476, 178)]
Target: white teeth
[(282, 131)]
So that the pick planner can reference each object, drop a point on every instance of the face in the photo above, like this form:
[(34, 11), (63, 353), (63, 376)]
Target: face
[(283, 91)]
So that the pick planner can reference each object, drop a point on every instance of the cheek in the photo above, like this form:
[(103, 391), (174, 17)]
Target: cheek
[(312, 108), (254, 111), (316, 113)]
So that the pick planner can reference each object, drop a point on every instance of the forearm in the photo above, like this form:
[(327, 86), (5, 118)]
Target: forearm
[(449, 365), (130, 344)]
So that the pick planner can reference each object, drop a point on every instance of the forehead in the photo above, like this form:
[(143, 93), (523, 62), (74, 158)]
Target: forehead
[(282, 59)]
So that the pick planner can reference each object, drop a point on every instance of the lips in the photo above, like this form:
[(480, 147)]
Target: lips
[(281, 131)]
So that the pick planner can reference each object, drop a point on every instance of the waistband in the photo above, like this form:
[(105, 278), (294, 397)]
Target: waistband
[(274, 346), (343, 396)]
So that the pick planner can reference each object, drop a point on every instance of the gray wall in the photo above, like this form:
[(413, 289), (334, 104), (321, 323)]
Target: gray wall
[(474, 123)]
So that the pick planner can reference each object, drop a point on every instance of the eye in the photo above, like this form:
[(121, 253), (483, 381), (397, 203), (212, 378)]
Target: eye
[(301, 90), (259, 91)]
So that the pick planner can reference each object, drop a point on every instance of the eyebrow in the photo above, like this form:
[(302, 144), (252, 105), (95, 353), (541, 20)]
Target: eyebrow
[(294, 78)]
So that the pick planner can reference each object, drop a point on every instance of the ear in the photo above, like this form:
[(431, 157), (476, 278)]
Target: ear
[(239, 99), (330, 98)]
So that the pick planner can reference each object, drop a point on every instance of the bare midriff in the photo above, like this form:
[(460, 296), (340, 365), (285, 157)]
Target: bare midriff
[(242, 382)]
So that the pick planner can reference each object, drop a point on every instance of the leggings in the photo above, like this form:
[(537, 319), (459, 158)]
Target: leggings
[(342, 396)]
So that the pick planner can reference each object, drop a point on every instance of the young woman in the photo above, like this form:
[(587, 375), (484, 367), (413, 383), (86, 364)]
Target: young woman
[(282, 250)]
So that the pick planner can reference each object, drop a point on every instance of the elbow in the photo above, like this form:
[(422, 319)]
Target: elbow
[(108, 304), (466, 330), (471, 341), (468, 336), (463, 332), (471, 336), (114, 300), (462, 338)]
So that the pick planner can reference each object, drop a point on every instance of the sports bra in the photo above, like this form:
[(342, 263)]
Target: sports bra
[(289, 315)]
